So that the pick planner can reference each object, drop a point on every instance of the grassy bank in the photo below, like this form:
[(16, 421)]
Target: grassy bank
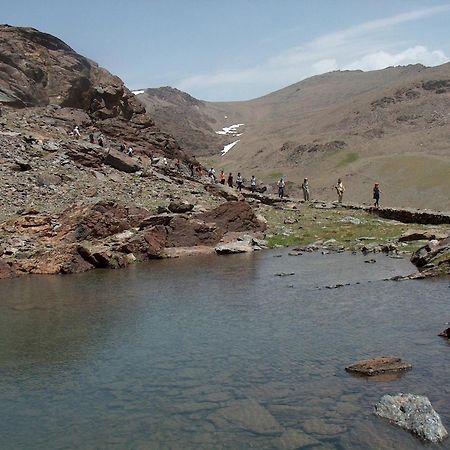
[(337, 228)]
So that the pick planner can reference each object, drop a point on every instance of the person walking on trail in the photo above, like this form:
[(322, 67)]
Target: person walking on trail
[(130, 151), (178, 165), (100, 141), (253, 183), (91, 138), (340, 190), (230, 180), (191, 168), (239, 181), (305, 187), (281, 185), (212, 174), (76, 132), (376, 195), (222, 177)]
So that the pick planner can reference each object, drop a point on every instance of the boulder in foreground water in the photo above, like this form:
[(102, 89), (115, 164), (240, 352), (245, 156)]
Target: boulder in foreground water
[(378, 366), (413, 413)]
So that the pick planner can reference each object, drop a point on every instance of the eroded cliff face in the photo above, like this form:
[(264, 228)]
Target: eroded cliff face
[(38, 70)]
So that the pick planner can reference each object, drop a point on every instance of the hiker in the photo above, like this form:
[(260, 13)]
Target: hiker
[(222, 177), (230, 180), (91, 138), (340, 190), (305, 187), (212, 174), (376, 195), (122, 148), (130, 151), (191, 168), (281, 185), (76, 132), (165, 163), (253, 183), (100, 141), (239, 182), (177, 165)]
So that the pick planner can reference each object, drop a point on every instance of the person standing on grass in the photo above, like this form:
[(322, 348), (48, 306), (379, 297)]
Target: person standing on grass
[(340, 190), (281, 185), (376, 195), (305, 187)]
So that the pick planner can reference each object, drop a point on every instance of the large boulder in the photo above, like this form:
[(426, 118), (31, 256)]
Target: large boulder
[(234, 216), (121, 162), (413, 413)]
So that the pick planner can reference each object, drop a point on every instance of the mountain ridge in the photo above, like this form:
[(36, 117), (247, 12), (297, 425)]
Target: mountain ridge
[(393, 123)]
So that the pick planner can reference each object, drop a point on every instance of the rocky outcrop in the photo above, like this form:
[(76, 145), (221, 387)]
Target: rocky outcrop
[(234, 216), (433, 259), (40, 70), (377, 366), (413, 413), (107, 234)]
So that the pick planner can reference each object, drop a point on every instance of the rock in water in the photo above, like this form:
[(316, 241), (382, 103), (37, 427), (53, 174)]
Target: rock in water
[(413, 413), (377, 366), (249, 415)]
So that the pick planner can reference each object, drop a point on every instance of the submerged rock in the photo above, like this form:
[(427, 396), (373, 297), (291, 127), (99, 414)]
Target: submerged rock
[(377, 366), (249, 415), (413, 413)]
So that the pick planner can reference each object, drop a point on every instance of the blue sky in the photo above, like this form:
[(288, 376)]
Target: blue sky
[(240, 49)]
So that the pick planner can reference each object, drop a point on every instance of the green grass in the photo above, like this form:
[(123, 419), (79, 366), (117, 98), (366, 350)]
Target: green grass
[(315, 225), (348, 159)]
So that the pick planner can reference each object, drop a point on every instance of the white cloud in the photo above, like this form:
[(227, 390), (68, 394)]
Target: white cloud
[(367, 46), (381, 59)]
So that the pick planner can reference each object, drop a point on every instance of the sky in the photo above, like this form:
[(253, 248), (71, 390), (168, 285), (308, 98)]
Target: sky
[(224, 50)]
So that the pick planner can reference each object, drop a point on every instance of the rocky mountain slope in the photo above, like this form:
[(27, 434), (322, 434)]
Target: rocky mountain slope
[(71, 205), (390, 126), (185, 117)]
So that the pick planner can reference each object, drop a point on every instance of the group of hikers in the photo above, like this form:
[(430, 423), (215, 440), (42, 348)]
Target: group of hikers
[(229, 180), (223, 179)]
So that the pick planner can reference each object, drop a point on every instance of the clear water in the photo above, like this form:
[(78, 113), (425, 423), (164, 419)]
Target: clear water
[(176, 354)]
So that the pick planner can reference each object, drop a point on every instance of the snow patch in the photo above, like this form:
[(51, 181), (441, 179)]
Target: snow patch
[(228, 147), (232, 129), (138, 92)]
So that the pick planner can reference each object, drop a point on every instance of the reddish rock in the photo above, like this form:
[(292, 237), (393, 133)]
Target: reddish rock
[(377, 366), (6, 271), (234, 216), (184, 232)]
